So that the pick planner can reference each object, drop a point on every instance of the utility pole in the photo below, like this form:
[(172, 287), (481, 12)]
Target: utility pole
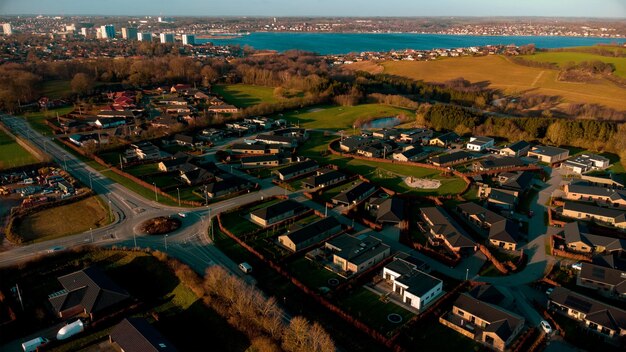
[(156, 197), (166, 243), (466, 273), (135, 239), (90, 182), (19, 296), (121, 165), (91, 233), (178, 191)]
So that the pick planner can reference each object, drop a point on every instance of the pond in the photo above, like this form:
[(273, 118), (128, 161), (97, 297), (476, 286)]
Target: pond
[(383, 122)]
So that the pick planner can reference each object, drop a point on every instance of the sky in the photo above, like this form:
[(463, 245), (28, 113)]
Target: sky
[(557, 8)]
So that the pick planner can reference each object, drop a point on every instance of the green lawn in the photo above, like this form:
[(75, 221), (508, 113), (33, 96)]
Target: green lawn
[(12, 154), (433, 336), (37, 119), (562, 58), (316, 145), (368, 307), (342, 117), (312, 274), (142, 170), (238, 225), (56, 89), (244, 95)]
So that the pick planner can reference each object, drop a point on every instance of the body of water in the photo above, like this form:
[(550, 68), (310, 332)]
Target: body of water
[(385, 122), (342, 43)]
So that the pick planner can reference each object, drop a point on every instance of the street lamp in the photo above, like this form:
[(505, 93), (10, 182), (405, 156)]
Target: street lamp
[(156, 197), (466, 273), (178, 190), (91, 233), (90, 182), (165, 242)]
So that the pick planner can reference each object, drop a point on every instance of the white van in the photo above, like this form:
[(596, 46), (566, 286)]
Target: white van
[(245, 267), (34, 344)]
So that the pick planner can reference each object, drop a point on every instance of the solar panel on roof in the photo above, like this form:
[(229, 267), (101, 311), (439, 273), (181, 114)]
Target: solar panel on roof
[(578, 304)]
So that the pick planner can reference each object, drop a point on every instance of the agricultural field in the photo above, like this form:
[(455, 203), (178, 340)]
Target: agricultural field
[(498, 72), (65, 220), (244, 95), (56, 89), (563, 57), (342, 117), (12, 154)]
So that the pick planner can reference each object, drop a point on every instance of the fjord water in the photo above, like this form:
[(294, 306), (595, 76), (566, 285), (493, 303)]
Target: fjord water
[(343, 43)]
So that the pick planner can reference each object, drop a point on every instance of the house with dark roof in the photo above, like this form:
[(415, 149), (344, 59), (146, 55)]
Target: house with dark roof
[(386, 133), (226, 184), (351, 144), (297, 169), (417, 135), (494, 163), (517, 149), (449, 159), (444, 140), (596, 316), (415, 288), (355, 194), (387, 210), (519, 181), (485, 322), (548, 154), (607, 280), (443, 229), (302, 237), (176, 163), (503, 233), (323, 178), (487, 293), (586, 192), (137, 335), (277, 212), (110, 122), (250, 162), (245, 148), (88, 291), (413, 153), (578, 239), (588, 212), (499, 198), (351, 255), (196, 176), (286, 141)]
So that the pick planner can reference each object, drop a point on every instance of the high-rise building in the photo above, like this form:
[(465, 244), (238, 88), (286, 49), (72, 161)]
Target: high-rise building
[(144, 37), (189, 39), (107, 31), (129, 33), (83, 32), (167, 38), (6, 29)]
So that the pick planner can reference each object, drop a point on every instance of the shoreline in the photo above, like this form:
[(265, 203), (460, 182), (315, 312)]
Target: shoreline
[(226, 37)]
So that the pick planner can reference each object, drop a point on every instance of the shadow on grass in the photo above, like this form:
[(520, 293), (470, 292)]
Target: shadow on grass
[(144, 278)]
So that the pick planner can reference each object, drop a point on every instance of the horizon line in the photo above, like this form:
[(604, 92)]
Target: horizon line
[(309, 16)]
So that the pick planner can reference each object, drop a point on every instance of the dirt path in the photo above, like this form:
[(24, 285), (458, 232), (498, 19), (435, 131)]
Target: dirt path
[(537, 79)]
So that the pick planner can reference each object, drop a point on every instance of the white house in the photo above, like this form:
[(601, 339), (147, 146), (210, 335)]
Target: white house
[(587, 162), (478, 144), (416, 288)]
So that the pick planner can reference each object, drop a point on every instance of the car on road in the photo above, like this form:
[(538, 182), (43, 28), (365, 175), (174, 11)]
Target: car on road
[(545, 326), (182, 215), (531, 213), (55, 249), (245, 267), (577, 266), (549, 291)]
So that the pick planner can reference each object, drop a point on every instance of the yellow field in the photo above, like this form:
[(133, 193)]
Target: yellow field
[(499, 73)]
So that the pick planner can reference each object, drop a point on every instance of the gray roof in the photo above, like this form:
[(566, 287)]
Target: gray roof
[(586, 188), (595, 311), (277, 209), (493, 162), (89, 288), (487, 293), (548, 151), (304, 165), (317, 180), (275, 138), (577, 232), (450, 157), (484, 214), (501, 322), (518, 181), (502, 196), (481, 140), (260, 158), (245, 146), (519, 145), (618, 215), (506, 231), (607, 276), (390, 210), (448, 137), (444, 225), (358, 251), (355, 193), (417, 281), (313, 229), (137, 335)]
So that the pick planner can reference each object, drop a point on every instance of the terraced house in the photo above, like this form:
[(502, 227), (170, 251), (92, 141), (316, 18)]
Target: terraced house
[(589, 212), (578, 239), (443, 229), (583, 191)]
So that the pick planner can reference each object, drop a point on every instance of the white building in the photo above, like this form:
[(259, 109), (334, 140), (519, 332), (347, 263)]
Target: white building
[(129, 33), (107, 31), (478, 144), (189, 39), (144, 37), (7, 29), (416, 288), (167, 38), (587, 162)]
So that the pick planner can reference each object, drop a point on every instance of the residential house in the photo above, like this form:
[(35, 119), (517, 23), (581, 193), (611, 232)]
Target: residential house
[(499, 198), (444, 140), (142, 151), (416, 288), (250, 162), (277, 212), (607, 280), (418, 135), (137, 335), (503, 233), (517, 149), (608, 180), (110, 122), (449, 159), (300, 134), (289, 142), (352, 144), (223, 109), (297, 169), (299, 238), (179, 161), (409, 154), (519, 181), (226, 184), (479, 144), (126, 114), (586, 162), (491, 163), (386, 133), (355, 194), (254, 149), (82, 140), (196, 176), (387, 210), (352, 255), (588, 212), (549, 155), (583, 191), (578, 239), (323, 178), (184, 140), (488, 323), (596, 316), (87, 291), (443, 229)]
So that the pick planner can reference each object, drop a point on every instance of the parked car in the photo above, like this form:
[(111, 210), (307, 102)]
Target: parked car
[(34, 344), (55, 249), (549, 291), (245, 267), (182, 215), (545, 326), (577, 266)]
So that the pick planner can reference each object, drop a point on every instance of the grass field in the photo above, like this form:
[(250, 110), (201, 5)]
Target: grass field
[(500, 73), (244, 95), (56, 89), (12, 154), (38, 119), (342, 117), (563, 57), (65, 220)]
